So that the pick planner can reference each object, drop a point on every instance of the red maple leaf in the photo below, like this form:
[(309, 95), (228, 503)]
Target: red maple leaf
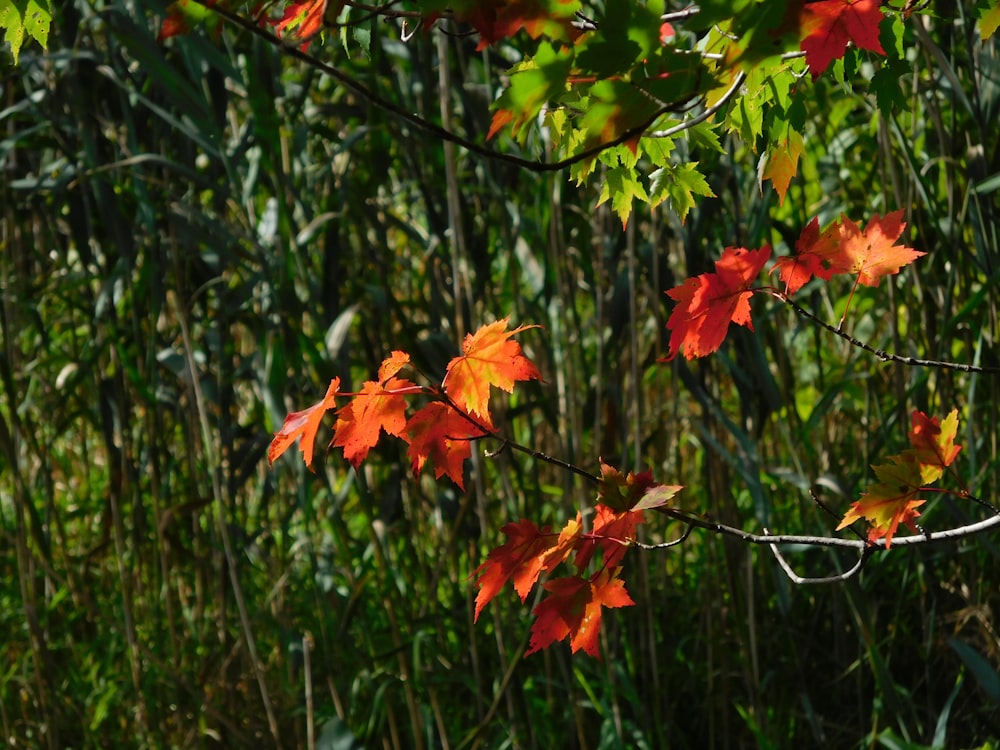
[(521, 558), (573, 609), (611, 533), (489, 358), (831, 24), (305, 18), (440, 433), (816, 254), (499, 19), (709, 302), (303, 424)]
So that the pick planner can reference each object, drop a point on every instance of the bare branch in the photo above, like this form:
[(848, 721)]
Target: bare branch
[(880, 353), (796, 578)]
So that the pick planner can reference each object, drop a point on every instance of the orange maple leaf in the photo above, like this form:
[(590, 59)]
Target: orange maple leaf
[(489, 358), (891, 501), (843, 248), (933, 443), (831, 24), (780, 163), (573, 609), (440, 433), (709, 302), (873, 253), (521, 558), (303, 424), (378, 407)]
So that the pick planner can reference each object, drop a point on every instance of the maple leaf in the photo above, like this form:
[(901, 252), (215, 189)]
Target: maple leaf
[(440, 433), (499, 19), (182, 16), (573, 609), (678, 183), (872, 254), (305, 18), (891, 501), (933, 444), (831, 24), (611, 532), (709, 302), (303, 424), (521, 558), (843, 248), (620, 492), (816, 254), (489, 358), (379, 407), (779, 164)]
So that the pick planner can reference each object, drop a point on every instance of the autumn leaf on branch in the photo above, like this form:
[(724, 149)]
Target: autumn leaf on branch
[(816, 254), (843, 248), (894, 499), (780, 163), (709, 302), (303, 424), (489, 358), (572, 610), (933, 443), (521, 558), (443, 435), (381, 406), (831, 24)]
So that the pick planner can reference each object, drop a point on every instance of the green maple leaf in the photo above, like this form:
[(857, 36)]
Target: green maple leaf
[(679, 184), (18, 17), (622, 186)]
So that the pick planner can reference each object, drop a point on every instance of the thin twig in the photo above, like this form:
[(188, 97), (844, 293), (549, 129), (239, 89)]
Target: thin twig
[(430, 127), (880, 353), (709, 111), (796, 578)]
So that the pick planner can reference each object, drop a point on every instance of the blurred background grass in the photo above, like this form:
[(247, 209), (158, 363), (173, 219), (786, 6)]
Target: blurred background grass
[(197, 236)]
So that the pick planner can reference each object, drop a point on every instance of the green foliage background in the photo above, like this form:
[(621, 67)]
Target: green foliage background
[(197, 236)]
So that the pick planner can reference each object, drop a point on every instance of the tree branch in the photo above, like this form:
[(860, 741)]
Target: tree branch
[(880, 353)]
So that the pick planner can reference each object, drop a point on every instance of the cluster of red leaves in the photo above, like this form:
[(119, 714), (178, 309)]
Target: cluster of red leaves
[(573, 604), (709, 302), (894, 499), (457, 412), (441, 430)]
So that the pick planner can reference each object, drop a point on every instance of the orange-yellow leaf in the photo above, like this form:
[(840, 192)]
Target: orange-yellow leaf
[(489, 358), (891, 501), (781, 163), (303, 424), (379, 406), (933, 444)]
